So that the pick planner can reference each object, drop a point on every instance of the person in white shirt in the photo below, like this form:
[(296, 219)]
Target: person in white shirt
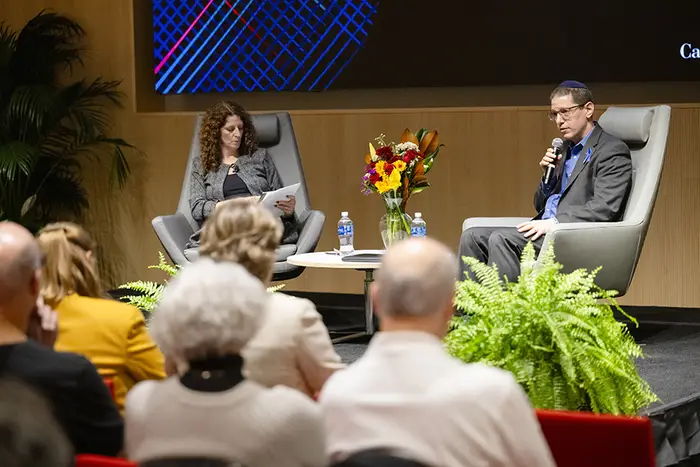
[(207, 315), (406, 394)]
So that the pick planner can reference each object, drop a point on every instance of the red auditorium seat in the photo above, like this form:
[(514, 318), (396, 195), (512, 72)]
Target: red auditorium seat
[(90, 460), (580, 439), (110, 385)]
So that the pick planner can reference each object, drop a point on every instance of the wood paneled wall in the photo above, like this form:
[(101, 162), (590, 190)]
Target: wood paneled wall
[(489, 167)]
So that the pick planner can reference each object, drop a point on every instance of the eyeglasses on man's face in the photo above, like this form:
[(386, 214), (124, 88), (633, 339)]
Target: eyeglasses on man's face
[(564, 113)]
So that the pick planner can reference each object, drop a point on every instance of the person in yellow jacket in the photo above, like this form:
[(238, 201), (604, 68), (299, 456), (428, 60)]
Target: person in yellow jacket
[(111, 334)]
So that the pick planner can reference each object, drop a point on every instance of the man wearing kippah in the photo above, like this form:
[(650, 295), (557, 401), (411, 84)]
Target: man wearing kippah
[(591, 182)]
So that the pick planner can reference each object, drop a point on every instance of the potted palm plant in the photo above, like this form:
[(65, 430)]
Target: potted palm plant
[(556, 333), (50, 124)]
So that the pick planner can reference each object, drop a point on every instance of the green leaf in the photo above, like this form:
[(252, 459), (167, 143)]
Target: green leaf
[(25, 114), (16, 158), (430, 158), (556, 333), (120, 169), (164, 266), (60, 189), (28, 204), (47, 43), (8, 41), (418, 189), (84, 105)]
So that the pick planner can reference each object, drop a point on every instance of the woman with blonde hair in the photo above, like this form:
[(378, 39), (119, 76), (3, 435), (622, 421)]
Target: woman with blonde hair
[(293, 347), (111, 334)]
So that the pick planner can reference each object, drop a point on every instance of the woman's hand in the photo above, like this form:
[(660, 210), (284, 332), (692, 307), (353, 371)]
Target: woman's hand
[(43, 324), (170, 367), (288, 206)]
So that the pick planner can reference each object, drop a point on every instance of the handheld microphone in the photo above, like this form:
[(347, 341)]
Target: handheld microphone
[(557, 145)]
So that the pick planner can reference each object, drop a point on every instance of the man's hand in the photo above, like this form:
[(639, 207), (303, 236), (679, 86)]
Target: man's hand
[(548, 160), (287, 206), (535, 229)]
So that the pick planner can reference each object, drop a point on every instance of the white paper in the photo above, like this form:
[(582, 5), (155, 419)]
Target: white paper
[(355, 253), (366, 252), (270, 198)]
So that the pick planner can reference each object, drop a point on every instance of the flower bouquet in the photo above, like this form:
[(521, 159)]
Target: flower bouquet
[(396, 171)]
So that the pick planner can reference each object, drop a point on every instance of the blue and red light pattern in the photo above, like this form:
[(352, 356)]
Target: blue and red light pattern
[(204, 46)]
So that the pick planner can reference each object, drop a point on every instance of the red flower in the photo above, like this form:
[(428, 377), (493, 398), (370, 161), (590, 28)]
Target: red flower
[(385, 152), (394, 159), (388, 169), (411, 154), (374, 178)]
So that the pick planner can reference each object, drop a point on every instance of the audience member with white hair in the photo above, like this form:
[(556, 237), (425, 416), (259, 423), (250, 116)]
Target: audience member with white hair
[(406, 395), (79, 398), (207, 315), (293, 347)]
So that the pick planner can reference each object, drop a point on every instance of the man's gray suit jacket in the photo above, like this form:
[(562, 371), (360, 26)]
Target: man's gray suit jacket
[(599, 186)]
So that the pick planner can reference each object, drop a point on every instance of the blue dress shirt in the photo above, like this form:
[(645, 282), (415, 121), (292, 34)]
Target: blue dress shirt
[(550, 208)]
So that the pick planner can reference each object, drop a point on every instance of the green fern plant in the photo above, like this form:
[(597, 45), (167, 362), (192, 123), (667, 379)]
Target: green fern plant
[(150, 293), (556, 333)]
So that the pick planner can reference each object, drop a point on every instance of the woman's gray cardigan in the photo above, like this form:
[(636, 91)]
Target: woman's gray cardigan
[(259, 174)]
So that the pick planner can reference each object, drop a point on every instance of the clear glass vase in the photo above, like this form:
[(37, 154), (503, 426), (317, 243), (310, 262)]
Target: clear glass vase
[(395, 224)]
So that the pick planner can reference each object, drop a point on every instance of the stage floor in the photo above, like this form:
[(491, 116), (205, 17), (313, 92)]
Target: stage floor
[(671, 360), (670, 365)]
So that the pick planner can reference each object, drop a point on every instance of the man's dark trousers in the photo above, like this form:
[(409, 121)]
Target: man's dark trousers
[(501, 245)]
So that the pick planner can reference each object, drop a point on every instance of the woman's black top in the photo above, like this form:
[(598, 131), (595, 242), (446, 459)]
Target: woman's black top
[(234, 187)]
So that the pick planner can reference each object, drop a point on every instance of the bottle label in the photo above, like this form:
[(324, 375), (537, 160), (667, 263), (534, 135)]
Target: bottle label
[(418, 231), (345, 230)]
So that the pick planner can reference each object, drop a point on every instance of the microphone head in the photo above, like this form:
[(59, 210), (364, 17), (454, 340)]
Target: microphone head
[(557, 143)]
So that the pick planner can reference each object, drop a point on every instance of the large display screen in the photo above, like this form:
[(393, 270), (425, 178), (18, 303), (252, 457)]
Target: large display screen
[(205, 46)]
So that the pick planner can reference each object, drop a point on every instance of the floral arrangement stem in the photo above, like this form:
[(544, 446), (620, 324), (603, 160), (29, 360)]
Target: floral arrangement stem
[(396, 224)]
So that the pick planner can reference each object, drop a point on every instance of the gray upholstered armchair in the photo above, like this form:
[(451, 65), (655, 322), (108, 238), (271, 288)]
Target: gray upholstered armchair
[(275, 133), (616, 246)]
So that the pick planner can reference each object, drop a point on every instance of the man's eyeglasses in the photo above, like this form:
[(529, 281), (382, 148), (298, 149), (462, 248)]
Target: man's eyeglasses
[(565, 113)]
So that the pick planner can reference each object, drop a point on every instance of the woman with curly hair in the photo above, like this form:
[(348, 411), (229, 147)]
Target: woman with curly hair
[(292, 347), (231, 165)]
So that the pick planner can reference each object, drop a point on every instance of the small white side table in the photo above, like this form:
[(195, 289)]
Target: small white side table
[(329, 260)]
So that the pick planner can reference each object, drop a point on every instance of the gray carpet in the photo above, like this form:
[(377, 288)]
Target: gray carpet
[(351, 351), (671, 364)]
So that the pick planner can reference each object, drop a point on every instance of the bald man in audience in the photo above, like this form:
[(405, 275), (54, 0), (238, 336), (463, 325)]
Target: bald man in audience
[(406, 395), (79, 398)]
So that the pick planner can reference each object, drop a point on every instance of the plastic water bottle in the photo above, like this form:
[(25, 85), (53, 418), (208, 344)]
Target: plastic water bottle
[(346, 233), (418, 227)]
